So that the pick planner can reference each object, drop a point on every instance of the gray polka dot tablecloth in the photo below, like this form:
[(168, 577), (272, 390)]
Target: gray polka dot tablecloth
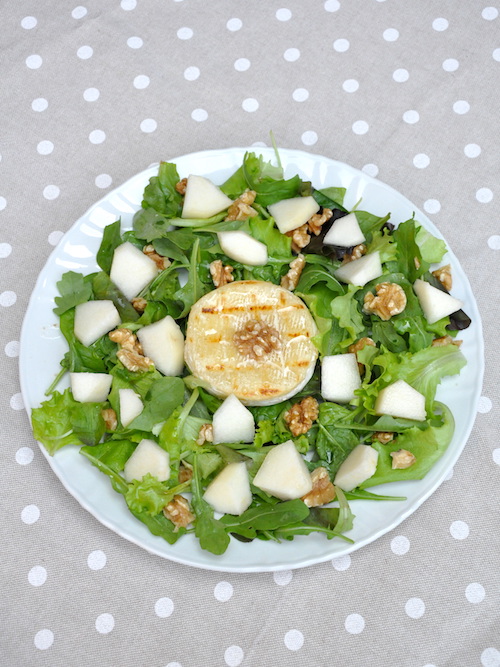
[(408, 92)]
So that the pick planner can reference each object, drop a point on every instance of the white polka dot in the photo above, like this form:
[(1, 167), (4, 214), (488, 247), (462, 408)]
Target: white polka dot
[(459, 530), (12, 348), (85, 52), (494, 244), (191, 73), (475, 593), (309, 138), (440, 24), (484, 195), (104, 623), (223, 591), (40, 104), (103, 181), (79, 12), (415, 608), (34, 61), (91, 95), (184, 33), (142, 81), (30, 514), (283, 14), (16, 401), (45, 147), (350, 85), (489, 13), (164, 607), (96, 560), (283, 578), (54, 237), (461, 107), (300, 94), (391, 35), (128, 5), (37, 576), (29, 22), (421, 161), (51, 192), (199, 115), (332, 5), (97, 137), (233, 656), (400, 545), (241, 65), (432, 206), (3, 203), (294, 640), (472, 150), (7, 299), (484, 404), (490, 657), (134, 42), (450, 65), (370, 169), (360, 127), (341, 45), (342, 563), (250, 104), (496, 55), (5, 250), (449, 475), (400, 75), (44, 639), (291, 55), (354, 624), (148, 125), (24, 456), (234, 24), (495, 455)]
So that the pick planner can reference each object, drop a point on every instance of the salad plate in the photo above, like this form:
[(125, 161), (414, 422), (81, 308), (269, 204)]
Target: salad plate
[(42, 347)]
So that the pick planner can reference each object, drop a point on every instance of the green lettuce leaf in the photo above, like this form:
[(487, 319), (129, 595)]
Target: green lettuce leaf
[(74, 289)]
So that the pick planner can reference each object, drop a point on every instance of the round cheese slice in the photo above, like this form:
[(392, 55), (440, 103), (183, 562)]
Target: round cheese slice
[(213, 355)]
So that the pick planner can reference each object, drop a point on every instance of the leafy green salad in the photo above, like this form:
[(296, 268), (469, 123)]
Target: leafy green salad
[(390, 344)]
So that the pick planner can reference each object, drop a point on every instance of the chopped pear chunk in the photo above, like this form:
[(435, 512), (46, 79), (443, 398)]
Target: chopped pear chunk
[(400, 399), (93, 319), (359, 466), (340, 377), (203, 198), (131, 269), (435, 303), (243, 248), (292, 213), (360, 271), (131, 406), (233, 422), (345, 232), (163, 342), (229, 492), (283, 473), (90, 387), (147, 457)]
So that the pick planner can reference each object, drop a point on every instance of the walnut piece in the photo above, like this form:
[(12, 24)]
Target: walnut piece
[(206, 434), (301, 416), (110, 419), (181, 186), (291, 279), (443, 274), (445, 340), (390, 300), (139, 304), (161, 262), (383, 437), (323, 490), (130, 352), (316, 221), (300, 237), (360, 344), (185, 472), (221, 275), (241, 208), (179, 512), (357, 252), (402, 459), (125, 338), (256, 339)]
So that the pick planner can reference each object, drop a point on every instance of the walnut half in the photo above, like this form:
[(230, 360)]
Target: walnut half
[(221, 275), (301, 416), (256, 339), (179, 512), (402, 459), (290, 280), (390, 300), (323, 490)]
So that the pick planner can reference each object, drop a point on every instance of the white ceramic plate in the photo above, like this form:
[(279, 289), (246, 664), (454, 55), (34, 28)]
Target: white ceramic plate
[(42, 346)]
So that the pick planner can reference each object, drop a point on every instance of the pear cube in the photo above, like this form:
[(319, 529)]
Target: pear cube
[(283, 473), (203, 198), (345, 232), (90, 387), (243, 248), (233, 422), (359, 466), (93, 319), (229, 492), (131, 269), (400, 399), (435, 303), (147, 457), (163, 342), (131, 406), (292, 213), (339, 377), (360, 271)]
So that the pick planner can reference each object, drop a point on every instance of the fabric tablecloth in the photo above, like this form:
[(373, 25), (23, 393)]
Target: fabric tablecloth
[(91, 95)]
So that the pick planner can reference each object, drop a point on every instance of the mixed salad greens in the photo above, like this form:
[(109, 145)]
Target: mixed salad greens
[(175, 408)]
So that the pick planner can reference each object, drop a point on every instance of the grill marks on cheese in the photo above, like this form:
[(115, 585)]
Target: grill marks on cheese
[(213, 357)]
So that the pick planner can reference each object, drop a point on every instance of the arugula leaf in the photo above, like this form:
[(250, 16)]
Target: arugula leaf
[(266, 518), (278, 245), (266, 179), (333, 442), (149, 224), (161, 194), (409, 258), (345, 309), (105, 289), (194, 288), (79, 358), (332, 197), (210, 531), (74, 289), (111, 239), (164, 395)]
